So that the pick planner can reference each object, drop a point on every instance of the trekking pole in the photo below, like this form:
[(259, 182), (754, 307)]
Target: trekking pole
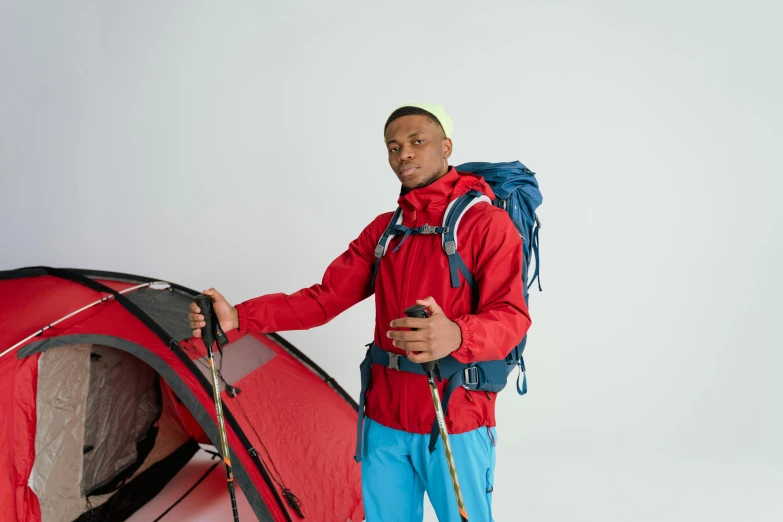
[(204, 302), (430, 368)]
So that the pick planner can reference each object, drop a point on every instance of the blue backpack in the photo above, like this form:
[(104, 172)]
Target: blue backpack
[(516, 191)]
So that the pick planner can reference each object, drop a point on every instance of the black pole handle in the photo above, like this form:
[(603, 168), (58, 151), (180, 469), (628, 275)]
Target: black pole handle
[(417, 311), (204, 302), (421, 311)]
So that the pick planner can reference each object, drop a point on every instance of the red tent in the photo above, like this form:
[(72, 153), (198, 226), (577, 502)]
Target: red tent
[(101, 409)]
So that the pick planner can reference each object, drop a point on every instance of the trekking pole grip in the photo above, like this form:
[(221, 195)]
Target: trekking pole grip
[(429, 365), (421, 311), (417, 311), (204, 302)]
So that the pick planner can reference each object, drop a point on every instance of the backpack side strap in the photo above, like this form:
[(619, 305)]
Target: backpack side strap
[(454, 213)]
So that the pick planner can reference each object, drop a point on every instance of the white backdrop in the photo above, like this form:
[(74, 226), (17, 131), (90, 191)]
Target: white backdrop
[(239, 145)]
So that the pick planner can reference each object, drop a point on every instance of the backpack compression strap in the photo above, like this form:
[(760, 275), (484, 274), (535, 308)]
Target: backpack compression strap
[(534, 248), (383, 242), (454, 213)]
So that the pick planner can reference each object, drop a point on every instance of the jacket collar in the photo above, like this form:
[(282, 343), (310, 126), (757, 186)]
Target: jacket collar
[(435, 197)]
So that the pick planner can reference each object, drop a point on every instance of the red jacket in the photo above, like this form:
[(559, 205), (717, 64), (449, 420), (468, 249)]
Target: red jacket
[(491, 248)]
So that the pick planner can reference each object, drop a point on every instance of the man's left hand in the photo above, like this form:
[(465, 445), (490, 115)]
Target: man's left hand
[(436, 336)]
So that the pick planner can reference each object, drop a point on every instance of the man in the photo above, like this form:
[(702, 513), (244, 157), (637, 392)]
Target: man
[(397, 466)]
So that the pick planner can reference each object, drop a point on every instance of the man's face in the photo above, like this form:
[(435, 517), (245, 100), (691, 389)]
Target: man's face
[(418, 151)]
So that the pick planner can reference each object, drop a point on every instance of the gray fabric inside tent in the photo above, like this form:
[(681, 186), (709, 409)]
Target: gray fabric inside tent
[(63, 381), (122, 404), (96, 407)]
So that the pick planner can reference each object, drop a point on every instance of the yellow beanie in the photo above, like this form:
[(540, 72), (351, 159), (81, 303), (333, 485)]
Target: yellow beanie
[(437, 111)]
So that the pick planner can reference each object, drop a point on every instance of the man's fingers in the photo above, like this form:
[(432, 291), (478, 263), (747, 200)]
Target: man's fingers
[(216, 296), (411, 346), (421, 357), (410, 322), (409, 335), (195, 318), (431, 305)]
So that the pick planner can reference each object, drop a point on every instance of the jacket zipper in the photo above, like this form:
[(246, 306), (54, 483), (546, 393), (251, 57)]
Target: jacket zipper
[(404, 296), (408, 263)]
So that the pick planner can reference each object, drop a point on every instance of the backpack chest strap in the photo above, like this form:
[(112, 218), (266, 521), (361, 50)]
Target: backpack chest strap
[(396, 228), (406, 232)]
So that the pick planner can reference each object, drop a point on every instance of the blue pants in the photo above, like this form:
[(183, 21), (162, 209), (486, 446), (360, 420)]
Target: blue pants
[(397, 468)]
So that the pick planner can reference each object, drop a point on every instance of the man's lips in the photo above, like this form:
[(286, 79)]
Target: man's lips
[(404, 171)]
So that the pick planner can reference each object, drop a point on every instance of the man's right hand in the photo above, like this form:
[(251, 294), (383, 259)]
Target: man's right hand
[(226, 314)]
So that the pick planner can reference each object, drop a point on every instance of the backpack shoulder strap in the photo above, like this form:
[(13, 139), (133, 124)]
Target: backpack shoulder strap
[(454, 213), (383, 242)]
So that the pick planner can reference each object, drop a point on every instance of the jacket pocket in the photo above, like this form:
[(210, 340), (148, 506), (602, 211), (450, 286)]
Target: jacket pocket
[(490, 488), (489, 436)]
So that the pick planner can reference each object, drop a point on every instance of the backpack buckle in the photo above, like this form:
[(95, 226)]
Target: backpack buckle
[(450, 247), (470, 375), (427, 229), (379, 251), (394, 361)]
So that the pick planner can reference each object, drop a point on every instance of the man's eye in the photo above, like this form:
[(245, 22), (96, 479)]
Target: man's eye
[(419, 141), (393, 149)]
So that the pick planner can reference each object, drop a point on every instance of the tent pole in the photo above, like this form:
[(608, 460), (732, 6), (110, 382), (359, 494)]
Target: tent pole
[(157, 285)]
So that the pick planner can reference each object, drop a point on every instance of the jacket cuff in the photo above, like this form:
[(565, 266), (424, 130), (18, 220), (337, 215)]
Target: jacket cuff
[(233, 335), (242, 318), (462, 354)]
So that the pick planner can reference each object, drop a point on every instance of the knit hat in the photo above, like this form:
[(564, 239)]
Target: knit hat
[(437, 111)]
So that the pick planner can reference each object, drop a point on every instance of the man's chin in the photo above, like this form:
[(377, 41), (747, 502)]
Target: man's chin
[(420, 182), (413, 185)]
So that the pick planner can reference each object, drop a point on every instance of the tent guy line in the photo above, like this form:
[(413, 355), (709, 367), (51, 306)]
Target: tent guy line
[(194, 486)]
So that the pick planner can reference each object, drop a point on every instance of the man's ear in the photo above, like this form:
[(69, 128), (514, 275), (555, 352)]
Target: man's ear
[(447, 145)]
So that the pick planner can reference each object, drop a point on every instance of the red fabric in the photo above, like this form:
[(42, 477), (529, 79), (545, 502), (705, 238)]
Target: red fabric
[(184, 416), (306, 431), (8, 487), (17, 439), (27, 306), (31, 303), (490, 247)]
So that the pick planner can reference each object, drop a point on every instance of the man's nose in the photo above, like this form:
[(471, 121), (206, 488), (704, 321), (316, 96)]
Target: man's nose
[(405, 153)]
